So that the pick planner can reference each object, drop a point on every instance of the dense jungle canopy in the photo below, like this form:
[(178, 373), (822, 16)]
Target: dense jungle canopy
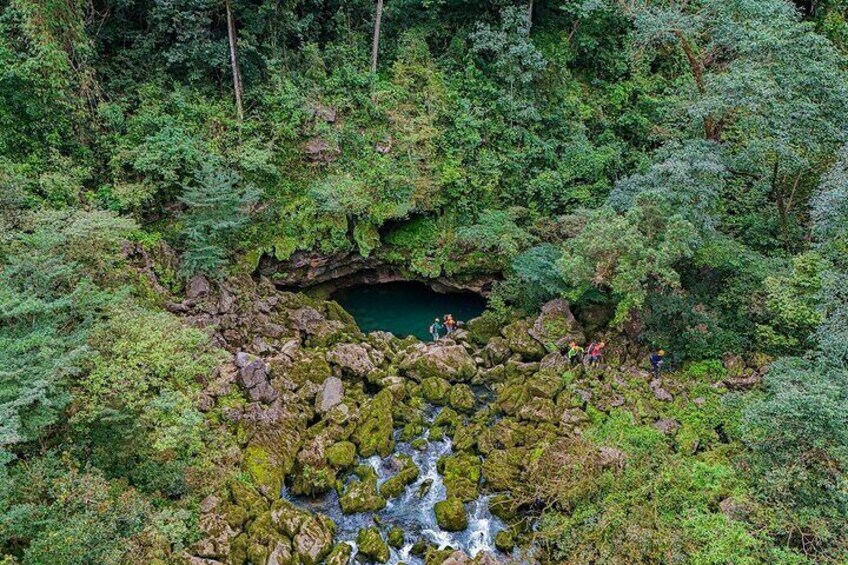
[(676, 171)]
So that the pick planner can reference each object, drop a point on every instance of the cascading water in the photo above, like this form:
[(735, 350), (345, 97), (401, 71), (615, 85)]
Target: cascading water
[(412, 511)]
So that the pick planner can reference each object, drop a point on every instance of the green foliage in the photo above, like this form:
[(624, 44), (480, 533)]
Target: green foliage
[(216, 212)]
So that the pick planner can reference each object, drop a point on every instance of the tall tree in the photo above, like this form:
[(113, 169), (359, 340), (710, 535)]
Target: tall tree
[(237, 84), (375, 43)]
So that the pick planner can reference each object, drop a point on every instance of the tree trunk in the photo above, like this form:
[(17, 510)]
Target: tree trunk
[(530, 14), (237, 86), (375, 44)]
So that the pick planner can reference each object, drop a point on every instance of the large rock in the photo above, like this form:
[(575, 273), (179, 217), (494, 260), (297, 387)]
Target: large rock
[(436, 390), (354, 359), (314, 539), (330, 395), (556, 326), (461, 475), (395, 486), (452, 362), (361, 495), (197, 287), (518, 337), (372, 546), (450, 515), (253, 378), (374, 433)]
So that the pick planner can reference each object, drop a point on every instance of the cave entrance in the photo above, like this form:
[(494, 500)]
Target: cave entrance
[(405, 307)]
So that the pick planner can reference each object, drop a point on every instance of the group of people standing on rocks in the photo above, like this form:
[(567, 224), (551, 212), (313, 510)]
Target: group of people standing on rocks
[(447, 324), (591, 356)]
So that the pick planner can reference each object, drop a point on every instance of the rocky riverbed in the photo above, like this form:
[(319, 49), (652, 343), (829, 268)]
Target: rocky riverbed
[(379, 449)]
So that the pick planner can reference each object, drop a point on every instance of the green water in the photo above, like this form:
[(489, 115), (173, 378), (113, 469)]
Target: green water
[(405, 308)]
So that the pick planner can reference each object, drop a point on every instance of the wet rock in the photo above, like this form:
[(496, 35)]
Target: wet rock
[(504, 541), (425, 487), (361, 495), (395, 537), (330, 395), (450, 515), (451, 362), (545, 384), (512, 397), (319, 150), (457, 558), (556, 326), (371, 545), (395, 485), (340, 554)]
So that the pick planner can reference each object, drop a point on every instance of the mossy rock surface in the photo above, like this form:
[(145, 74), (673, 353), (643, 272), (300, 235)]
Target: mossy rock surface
[(462, 398), (436, 390), (450, 515), (519, 340), (361, 495), (512, 397), (374, 434), (395, 485), (339, 555), (461, 475), (395, 537), (504, 541), (372, 546), (341, 455)]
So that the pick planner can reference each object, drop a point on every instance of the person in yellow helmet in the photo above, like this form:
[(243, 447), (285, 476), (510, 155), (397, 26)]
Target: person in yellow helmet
[(657, 360)]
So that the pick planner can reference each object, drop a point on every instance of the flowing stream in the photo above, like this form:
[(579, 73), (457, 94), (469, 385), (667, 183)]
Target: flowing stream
[(411, 512)]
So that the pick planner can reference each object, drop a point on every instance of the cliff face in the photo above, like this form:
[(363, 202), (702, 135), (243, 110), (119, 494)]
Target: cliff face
[(309, 395)]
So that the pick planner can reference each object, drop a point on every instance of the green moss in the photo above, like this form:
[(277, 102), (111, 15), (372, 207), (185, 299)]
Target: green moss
[(361, 495), (461, 475), (395, 485), (395, 537), (462, 398), (504, 541), (341, 455), (339, 555), (265, 472), (436, 390), (371, 545), (374, 434), (450, 515)]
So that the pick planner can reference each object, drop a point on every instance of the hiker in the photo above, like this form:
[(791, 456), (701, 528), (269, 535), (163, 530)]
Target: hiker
[(594, 353), (436, 329), (657, 360), (575, 353), (450, 324)]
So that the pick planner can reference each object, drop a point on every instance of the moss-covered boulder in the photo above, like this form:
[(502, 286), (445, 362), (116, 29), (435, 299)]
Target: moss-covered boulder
[(448, 419), (395, 537), (436, 390), (450, 515), (461, 474), (502, 468), (462, 398), (511, 397), (452, 362), (314, 540), (361, 495), (372, 546), (519, 340), (246, 497), (504, 541), (264, 539), (465, 437), (339, 555), (556, 327), (287, 517), (545, 384), (539, 410), (374, 434), (395, 485), (341, 455)]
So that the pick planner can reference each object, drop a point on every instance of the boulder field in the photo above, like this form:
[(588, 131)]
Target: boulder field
[(309, 396)]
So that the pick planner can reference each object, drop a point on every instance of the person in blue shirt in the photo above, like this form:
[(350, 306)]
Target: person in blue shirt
[(657, 360), (436, 329)]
